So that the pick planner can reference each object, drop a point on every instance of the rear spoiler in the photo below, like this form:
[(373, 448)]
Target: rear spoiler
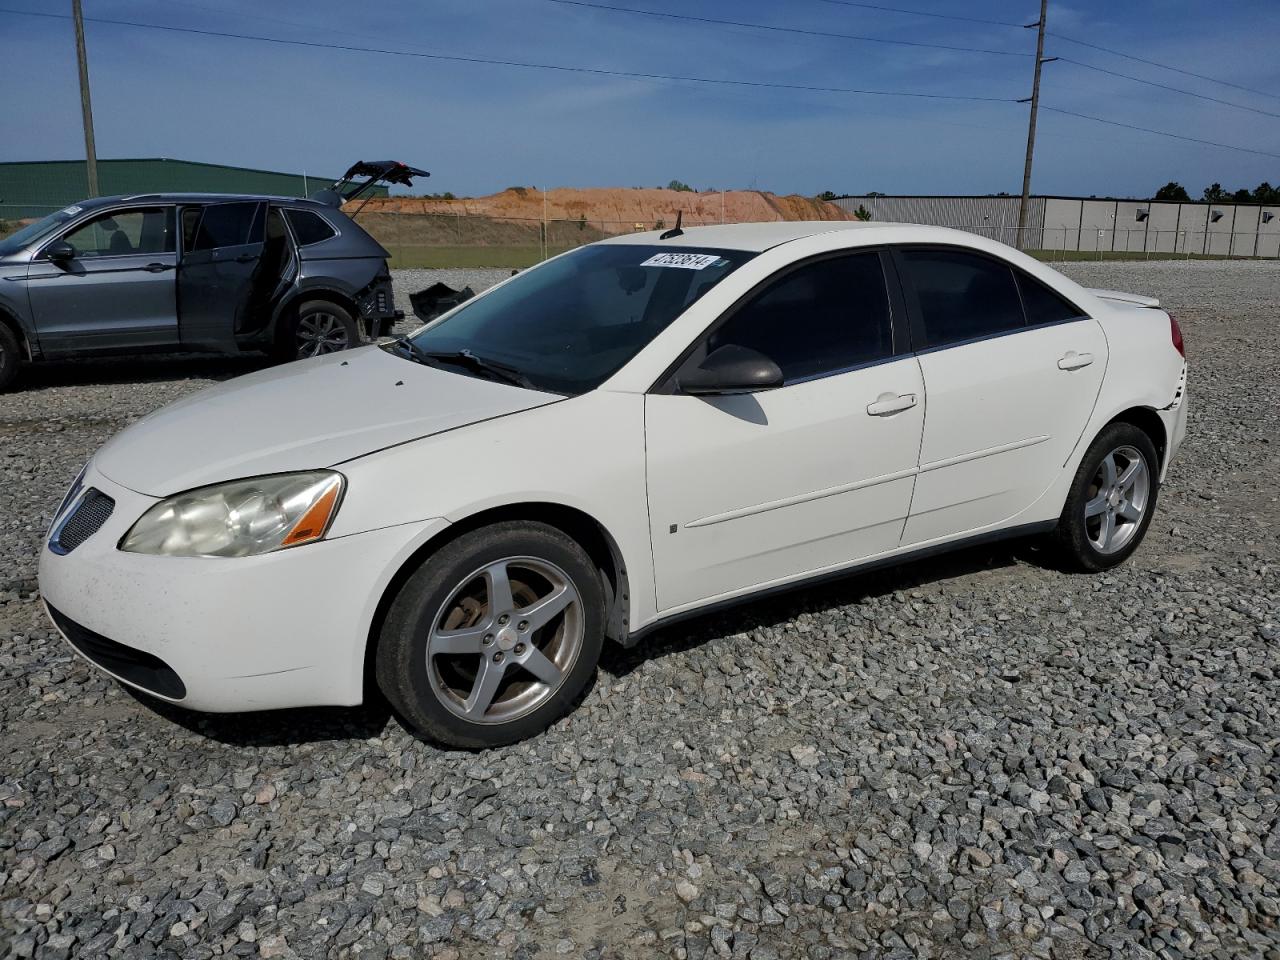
[(376, 171), (1133, 298)]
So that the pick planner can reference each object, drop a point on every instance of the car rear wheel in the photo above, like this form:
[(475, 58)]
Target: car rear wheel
[(10, 356), (495, 637), (1112, 499), (322, 327)]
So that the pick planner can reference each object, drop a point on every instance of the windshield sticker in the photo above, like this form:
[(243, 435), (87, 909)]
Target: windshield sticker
[(687, 261)]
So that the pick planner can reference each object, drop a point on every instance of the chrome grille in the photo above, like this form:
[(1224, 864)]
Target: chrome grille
[(84, 520)]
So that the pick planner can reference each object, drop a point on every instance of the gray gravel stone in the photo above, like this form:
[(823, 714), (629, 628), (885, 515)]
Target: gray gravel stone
[(970, 756)]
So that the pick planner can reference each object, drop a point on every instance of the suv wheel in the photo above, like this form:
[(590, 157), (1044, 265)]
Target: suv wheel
[(10, 356), (495, 637), (321, 327)]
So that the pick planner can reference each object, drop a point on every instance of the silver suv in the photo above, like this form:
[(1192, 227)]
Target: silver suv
[(210, 273)]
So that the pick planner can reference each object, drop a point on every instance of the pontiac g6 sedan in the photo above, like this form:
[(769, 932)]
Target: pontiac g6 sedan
[(630, 433)]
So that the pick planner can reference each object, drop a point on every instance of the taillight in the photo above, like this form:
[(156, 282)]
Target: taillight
[(1176, 332)]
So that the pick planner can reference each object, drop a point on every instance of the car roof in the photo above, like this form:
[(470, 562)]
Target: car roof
[(195, 198), (758, 237)]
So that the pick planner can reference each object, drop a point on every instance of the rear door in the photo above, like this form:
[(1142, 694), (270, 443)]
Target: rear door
[(221, 255), (1012, 371), (754, 489), (117, 292)]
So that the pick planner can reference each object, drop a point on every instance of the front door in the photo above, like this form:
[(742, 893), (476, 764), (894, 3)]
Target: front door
[(221, 254), (117, 291), (755, 489), (1012, 371)]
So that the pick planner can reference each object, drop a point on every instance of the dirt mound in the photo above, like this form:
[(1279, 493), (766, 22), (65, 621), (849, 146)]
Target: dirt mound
[(613, 210)]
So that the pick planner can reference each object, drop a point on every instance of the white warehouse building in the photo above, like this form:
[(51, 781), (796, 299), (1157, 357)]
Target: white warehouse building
[(1094, 223)]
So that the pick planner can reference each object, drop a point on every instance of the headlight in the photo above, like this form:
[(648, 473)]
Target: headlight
[(241, 518)]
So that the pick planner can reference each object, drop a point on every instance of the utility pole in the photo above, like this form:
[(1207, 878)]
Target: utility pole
[(86, 108), (1031, 125)]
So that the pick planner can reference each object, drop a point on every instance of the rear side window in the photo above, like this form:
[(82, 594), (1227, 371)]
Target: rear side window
[(962, 296), (309, 227), (819, 319), (228, 225), (1042, 304)]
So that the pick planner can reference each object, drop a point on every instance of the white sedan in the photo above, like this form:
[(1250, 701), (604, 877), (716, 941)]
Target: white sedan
[(633, 432)]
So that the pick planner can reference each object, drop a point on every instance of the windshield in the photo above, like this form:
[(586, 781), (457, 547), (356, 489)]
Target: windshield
[(570, 324), (36, 231)]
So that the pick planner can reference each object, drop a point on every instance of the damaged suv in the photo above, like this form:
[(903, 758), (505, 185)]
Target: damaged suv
[(207, 273)]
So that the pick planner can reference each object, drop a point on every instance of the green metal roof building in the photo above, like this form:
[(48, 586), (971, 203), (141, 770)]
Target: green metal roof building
[(33, 189)]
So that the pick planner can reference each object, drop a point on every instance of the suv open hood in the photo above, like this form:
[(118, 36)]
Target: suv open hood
[(301, 416), (375, 171)]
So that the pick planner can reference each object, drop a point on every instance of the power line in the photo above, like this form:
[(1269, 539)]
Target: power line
[(1162, 133), (1165, 86), (1162, 66), (794, 30), (921, 13), (563, 68)]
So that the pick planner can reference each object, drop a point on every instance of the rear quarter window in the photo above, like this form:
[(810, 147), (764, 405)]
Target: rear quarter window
[(1042, 304), (309, 227)]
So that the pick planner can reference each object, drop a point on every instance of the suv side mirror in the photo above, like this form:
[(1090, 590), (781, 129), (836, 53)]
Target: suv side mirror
[(731, 369), (60, 251)]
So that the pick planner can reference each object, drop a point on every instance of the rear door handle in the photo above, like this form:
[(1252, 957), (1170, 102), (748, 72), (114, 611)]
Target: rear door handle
[(889, 403), (158, 267), (1074, 361), (246, 258)]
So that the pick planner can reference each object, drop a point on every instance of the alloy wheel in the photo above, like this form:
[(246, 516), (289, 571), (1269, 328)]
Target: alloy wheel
[(320, 333), (1118, 498), (504, 641)]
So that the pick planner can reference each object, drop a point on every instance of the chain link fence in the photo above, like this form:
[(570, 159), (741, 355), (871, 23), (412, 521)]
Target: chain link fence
[(436, 240)]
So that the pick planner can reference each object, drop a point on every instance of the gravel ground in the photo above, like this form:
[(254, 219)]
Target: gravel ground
[(975, 756)]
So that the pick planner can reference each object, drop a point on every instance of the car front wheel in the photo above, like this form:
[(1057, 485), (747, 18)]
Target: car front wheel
[(493, 638), (1112, 499)]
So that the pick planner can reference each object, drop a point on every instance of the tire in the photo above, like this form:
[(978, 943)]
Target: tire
[(10, 357), (464, 674), (318, 327), (1102, 500)]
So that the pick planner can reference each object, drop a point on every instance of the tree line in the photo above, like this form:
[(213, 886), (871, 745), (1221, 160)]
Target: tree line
[(1264, 193)]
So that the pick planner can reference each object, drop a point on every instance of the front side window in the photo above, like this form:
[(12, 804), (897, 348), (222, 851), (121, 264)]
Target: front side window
[(571, 323), (227, 225), (821, 318), (962, 296), (124, 232)]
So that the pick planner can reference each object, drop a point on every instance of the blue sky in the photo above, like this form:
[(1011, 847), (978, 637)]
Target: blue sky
[(480, 128)]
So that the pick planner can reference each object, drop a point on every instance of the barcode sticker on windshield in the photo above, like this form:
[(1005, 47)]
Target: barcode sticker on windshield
[(689, 261)]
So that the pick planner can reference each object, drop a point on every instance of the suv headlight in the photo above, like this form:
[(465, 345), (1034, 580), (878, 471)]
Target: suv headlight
[(241, 518)]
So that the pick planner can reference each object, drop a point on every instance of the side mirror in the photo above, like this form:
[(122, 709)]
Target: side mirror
[(60, 251), (731, 369)]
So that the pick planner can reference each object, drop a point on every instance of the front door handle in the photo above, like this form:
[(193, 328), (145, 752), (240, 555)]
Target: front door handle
[(158, 267), (890, 403), (1074, 361)]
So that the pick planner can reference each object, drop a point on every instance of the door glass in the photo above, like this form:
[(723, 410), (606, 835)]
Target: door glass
[(1042, 304), (228, 225), (963, 296), (124, 232), (822, 318)]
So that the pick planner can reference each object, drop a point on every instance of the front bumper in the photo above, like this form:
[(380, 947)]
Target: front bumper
[(285, 629)]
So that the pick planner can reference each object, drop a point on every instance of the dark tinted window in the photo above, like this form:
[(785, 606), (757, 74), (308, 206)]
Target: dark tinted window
[(229, 225), (309, 227), (821, 318), (962, 295), (1042, 304)]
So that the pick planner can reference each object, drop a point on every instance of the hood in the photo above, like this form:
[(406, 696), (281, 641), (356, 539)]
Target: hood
[(301, 416)]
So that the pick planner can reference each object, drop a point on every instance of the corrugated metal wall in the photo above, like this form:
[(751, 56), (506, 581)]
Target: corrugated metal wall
[(1091, 224), (34, 189)]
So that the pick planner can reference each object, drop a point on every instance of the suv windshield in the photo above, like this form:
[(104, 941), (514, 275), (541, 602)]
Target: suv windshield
[(570, 324), (36, 231)]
